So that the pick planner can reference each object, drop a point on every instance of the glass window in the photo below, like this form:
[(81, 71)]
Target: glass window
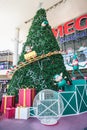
[(78, 47)]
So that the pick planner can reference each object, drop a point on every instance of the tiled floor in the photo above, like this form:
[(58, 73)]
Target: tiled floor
[(78, 122)]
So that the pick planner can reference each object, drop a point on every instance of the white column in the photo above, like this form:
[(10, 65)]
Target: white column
[(16, 46)]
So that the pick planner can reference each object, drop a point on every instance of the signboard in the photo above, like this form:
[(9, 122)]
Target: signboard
[(72, 39), (71, 27)]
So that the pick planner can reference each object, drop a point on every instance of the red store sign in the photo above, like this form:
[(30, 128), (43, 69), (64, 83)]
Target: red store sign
[(70, 27)]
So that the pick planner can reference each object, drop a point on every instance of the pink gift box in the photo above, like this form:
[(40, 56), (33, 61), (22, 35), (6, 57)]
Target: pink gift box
[(25, 97), (85, 77), (73, 78)]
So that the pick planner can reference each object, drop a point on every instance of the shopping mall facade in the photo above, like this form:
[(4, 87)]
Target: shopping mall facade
[(6, 61), (72, 39)]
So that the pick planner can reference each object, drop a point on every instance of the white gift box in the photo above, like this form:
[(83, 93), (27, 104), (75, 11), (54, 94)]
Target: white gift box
[(22, 113)]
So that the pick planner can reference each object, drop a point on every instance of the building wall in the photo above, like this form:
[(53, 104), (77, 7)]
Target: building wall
[(6, 60), (67, 11), (58, 15)]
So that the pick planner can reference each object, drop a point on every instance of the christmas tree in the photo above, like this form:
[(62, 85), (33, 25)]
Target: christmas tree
[(45, 62)]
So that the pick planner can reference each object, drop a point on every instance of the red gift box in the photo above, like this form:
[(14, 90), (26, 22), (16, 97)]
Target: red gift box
[(33, 93), (26, 97), (10, 112), (7, 101)]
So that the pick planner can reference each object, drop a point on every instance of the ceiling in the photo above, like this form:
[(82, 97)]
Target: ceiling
[(14, 13)]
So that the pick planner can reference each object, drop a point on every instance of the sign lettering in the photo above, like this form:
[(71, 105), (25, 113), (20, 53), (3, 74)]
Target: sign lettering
[(70, 27)]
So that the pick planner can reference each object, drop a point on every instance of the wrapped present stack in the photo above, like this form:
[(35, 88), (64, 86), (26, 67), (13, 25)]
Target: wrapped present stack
[(7, 102), (22, 110), (26, 97)]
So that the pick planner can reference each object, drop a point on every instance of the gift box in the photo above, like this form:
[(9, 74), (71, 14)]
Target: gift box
[(7, 101), (73, 78), (22, 113), (85, 77), (26, 97), (10, 112), (33, 93), (30, 55)]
